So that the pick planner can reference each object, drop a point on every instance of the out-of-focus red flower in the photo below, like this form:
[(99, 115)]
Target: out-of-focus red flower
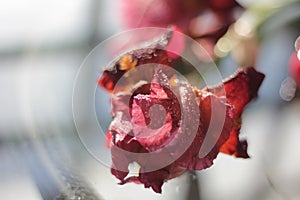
[(159, 13), (204, 20), (161, 116), (294, 67)]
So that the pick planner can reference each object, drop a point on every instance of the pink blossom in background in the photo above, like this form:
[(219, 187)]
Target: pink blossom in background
[(204, 20)]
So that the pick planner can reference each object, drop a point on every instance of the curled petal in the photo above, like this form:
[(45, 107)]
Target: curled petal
[(214, 128), (122, 146), (154, 53), (240, 89), (155, 179), (156, 115)]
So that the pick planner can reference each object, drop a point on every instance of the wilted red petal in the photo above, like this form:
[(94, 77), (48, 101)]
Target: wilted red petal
[(214, 127), (154, 129), (121, 161), (156, 115), (154, 53), (120, 151), (234, 146), (240, 89), (155, 179), (110, 77)]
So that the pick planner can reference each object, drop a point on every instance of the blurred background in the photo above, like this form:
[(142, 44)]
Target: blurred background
[(42, 46)]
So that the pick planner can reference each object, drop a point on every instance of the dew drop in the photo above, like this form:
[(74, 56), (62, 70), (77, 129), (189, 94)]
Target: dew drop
[(164, 42), (150, 51)]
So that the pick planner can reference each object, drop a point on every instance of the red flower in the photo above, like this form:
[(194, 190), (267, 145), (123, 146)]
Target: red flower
[(150, 119), (159, 13), (166, 125), (204, 20)]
